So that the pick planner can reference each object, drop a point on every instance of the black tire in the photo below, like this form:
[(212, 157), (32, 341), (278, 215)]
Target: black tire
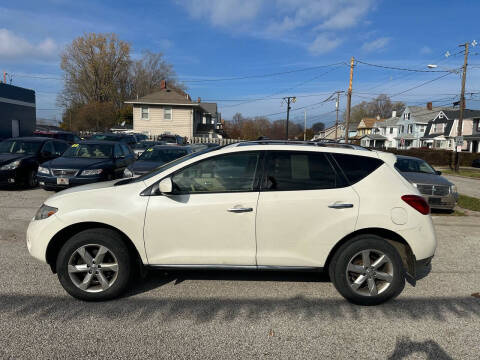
[(338, 270), (101, 237), (32, 180)]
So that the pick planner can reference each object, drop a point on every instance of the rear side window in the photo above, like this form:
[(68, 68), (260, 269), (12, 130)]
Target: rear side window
[(357, 167), (294, 170)]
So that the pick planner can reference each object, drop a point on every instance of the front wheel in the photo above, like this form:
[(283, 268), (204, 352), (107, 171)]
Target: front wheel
[(94, 265), (367, 270)]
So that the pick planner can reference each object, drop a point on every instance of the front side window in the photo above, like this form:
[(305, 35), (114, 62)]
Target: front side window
[(224, 173), (60, 147), (19, 147), (48, 148), (167, 113), (118, 153), (125, 149), (293, 170), (144, 112)]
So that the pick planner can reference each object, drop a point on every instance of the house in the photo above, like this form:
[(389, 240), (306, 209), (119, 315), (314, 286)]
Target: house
[(330, 134), (413, 123), (383, 133), (442, 130), (473, 140), (352, 131), (365, 126), (18, 111), (171, 110)]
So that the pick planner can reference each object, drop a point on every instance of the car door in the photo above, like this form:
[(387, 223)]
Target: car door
[(305, 206), (209, 219), (119, 161)]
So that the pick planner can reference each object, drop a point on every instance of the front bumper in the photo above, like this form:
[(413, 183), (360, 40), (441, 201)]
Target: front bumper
[(50, 182), (39, 234), (446, 202), (11, 177)]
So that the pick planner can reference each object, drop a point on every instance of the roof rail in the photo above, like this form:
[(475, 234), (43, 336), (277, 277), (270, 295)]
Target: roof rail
[(298, 142)]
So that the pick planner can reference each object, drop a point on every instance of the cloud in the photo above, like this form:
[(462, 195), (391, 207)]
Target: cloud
[(425, 50), (298, 21), (15, 47), (376, 45), (324, 43)]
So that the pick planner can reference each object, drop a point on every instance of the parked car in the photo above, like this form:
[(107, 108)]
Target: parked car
[(20, 157), (154, 157), (143, 145), (171, 139), (84, 163), (476, 163), (124, 138), (67, 136), (437, 190), (243, 206)]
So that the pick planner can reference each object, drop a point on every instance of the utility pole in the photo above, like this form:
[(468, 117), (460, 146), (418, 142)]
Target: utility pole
[(462, 108), (289, 99), (304, 125), (349, 98), (337, 105)]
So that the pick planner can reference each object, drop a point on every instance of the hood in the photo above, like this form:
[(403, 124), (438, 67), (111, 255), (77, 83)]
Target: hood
[(144, 166), (75, 163), (422, 178), (92, 186), (8, 158)]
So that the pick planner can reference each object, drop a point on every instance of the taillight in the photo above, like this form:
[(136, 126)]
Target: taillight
[(418, 203)]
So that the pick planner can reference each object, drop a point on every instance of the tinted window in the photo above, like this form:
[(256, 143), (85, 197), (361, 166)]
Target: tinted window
[(357, 167), (118, 151), (288, 170), (232, 172), (163, 155), (60, 147), (48, 148), (20, 147), (125, 149)]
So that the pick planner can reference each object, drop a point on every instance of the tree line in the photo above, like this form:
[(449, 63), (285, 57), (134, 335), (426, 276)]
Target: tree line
[(100, 74)]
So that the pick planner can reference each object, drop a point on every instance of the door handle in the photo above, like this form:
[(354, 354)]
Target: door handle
[(340, 206), (240, 209)]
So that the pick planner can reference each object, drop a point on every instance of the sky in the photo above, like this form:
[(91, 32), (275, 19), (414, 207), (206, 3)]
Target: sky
[(278, 48)]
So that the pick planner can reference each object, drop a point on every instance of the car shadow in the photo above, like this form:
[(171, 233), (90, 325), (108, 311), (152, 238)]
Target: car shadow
[(405, 348)]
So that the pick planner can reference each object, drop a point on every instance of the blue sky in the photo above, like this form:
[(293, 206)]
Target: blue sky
[(215, 39)]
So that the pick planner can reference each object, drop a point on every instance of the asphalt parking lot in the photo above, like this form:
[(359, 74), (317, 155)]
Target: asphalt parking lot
[(237, 315)]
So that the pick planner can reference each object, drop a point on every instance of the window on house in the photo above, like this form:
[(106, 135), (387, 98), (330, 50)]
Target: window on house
[(145, 112), (167, 113), (408, 116), (409, 129), (391, 130)]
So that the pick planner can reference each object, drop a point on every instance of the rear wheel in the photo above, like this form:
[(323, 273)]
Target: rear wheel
[(367, 270), (94, 265)]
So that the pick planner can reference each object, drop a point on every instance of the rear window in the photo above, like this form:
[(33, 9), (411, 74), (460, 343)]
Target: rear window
[(357, 167)]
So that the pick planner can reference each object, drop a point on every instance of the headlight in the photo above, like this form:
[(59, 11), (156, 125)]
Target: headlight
[(43, 170), (92, 172), (45, 211), (127, 173), (453, 189), (11, 166)]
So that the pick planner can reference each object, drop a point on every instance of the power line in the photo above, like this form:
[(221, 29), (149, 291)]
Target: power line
[(424, 83), (401, 69), (262, 75)]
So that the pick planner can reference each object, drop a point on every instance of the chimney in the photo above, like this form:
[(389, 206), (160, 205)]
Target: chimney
[(394, 113), (199, 100), (429, 105), (163, 84)]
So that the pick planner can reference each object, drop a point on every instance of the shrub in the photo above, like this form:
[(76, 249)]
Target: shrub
[(437, 157)]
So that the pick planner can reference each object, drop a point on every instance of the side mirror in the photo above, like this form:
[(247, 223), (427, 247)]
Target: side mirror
[(438, 172), (165, 186)]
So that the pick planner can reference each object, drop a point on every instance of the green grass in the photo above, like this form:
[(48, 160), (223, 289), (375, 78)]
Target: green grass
[(448, 213), (468, 202), (463, 172)]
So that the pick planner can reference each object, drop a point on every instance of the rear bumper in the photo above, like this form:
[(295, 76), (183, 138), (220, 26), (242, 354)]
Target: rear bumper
[(50, 182)]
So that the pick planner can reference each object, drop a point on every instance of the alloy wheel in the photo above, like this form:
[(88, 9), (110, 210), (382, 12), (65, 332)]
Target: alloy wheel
[(369, 272), (93, 268)]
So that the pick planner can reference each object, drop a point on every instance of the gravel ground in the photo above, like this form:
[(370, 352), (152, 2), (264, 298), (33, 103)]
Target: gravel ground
[(238, 314), (466, 186)]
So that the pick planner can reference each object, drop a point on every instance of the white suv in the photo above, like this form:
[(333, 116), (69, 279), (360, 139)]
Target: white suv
[(251, 205)]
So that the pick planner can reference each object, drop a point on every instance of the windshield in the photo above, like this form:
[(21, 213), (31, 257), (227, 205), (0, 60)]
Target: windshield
[(144, 145), (169, 139), (414, 165), (20, 147), (162, 156), (105, 137), (92, 151), (172, 164)]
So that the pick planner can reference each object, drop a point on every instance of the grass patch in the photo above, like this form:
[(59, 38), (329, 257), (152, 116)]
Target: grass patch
[(463, 172), (468, 202)]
